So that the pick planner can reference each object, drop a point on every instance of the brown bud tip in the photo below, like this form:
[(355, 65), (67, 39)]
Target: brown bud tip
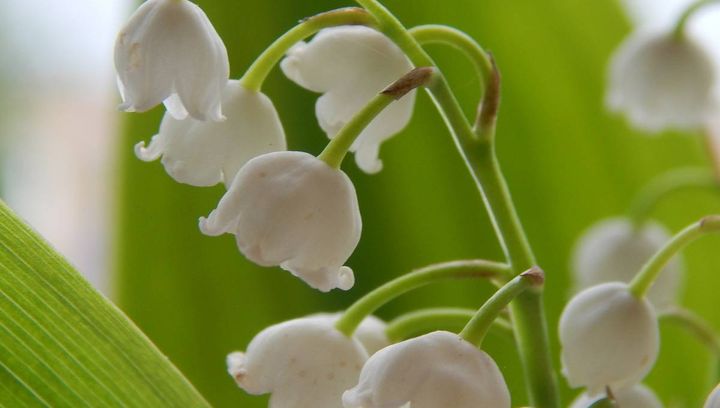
[(535, 274), (710, 222), (420, 76)]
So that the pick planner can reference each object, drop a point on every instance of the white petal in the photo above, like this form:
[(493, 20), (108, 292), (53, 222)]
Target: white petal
[(205, 153), (609, 338), (713, 400), (439, 369), (304, 363), (350, 65), (292, 210), (661, 82), (637, 396), (175, 107), (614, 250), (371, 332)]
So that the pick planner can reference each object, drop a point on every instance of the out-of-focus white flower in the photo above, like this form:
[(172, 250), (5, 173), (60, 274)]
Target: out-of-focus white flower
[(438, 369), (713, 400), (370, 332), (350, 65), (304, 363), (662, 82), (609, 338), (636, 396), (293, 210), (169, 52), (615, 250), (205, 153)]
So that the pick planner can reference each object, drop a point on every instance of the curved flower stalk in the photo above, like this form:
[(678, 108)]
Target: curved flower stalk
[(636, 396), (438, 369), (661, 81), (713, 400), (614, 250), (169, 52), (290, 209), (203, 153), (609, 337), (350, 65), (304, 363)]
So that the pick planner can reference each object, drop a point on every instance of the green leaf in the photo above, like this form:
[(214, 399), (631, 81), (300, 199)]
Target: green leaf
[(62, 344)]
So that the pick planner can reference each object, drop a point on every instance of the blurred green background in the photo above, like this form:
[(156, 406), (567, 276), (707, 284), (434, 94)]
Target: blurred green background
[(567, 161)]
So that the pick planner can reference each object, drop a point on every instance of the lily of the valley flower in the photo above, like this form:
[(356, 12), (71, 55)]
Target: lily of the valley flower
[(205, 153), (439, 369), (370, 332), (169, 52), (304, 363), (662, 81), (615, 250), (292, 210), (637, 396), (350, 65), (713, 400), (609, 338)]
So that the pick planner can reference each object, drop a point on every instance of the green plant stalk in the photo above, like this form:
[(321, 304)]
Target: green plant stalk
[(365, 306), (695, 325), (527, 310), (666, 184), (679, 30), (476, 329), (446, 318), (642, 282), (255, 75)]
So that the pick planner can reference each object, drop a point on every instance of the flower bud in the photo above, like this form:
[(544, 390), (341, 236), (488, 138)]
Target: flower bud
[(713, 400), (169, 52), (349, 65), (438, 369), (304, 363), (636, 396), (290, 209), (662, 81), (609, 338), (205, 153), (615, 250)]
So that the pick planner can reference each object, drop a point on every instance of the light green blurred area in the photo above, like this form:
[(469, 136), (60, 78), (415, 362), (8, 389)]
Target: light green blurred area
[(567, 161)]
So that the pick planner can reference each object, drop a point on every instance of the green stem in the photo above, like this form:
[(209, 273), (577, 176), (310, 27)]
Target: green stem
[(679, 30), (527, 310), (427, 320), (442, 34), (476, 329), (664, 185), (259, 70), (366, 305), (642, 282), (694, 325)]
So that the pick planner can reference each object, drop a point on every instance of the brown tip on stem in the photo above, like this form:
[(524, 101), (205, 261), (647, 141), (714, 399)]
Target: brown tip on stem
[(710, 222), (361, 13), (417, 77), (535, 274), (609, 393), (491, 101)]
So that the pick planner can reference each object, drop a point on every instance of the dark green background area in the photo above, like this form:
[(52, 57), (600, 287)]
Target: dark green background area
[(568, 163)]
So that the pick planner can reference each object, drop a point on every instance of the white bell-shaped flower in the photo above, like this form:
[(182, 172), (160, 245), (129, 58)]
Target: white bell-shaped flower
[(615, 250), (370, 332), (713, 400), (293, 210), (636, 396), (203, 153), (350, 65), (660, 81), (438, 369), (169, 52), (609, 338), (304, 363)]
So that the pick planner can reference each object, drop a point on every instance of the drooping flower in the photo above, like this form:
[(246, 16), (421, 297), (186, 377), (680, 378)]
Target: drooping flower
[(370, 332), (304, 363), (636, 396), (169, 52), (203, 153), (292, 210), (713, 400), (438, 369), (349, 65), (661, 81), (615, 250), (609, 338)]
